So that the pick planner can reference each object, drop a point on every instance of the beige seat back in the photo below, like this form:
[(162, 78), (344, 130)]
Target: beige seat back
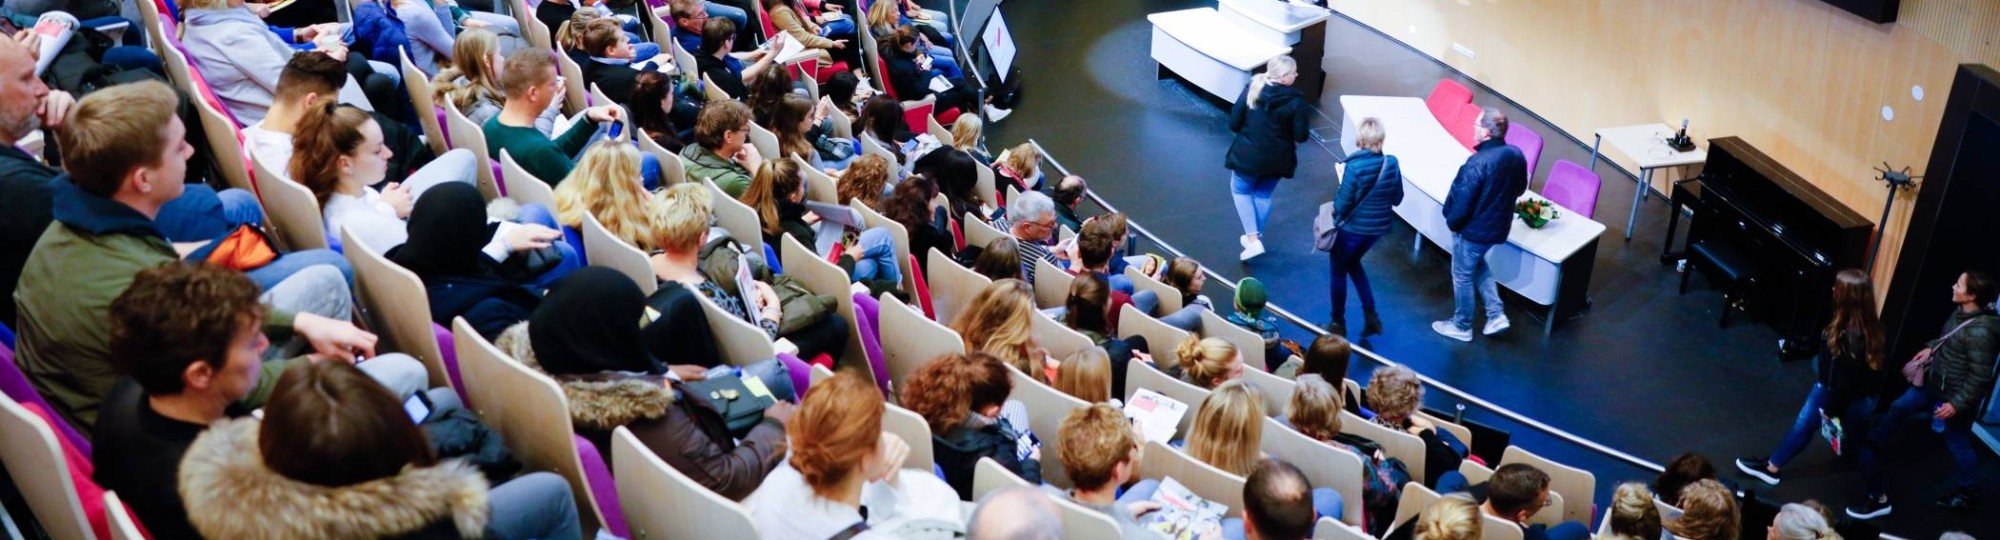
[(1463, 433), (1206, 481), (1170, 298), (823, 277), (221, 133), (1493, 528), (33, 456), (684, 61), (1139, 375), (712, 92), (739, 219), (522, 186), (530, 412), (597, 97), (1274, 390), (740, 342), (937, 130), (912, 428), (672, 171), (979, 233), (1047, 407), (1247, 342), (1324, 465), (952, 286), (909, 340), (467, 135), (984, 187), (843, 127), (124, 526), (1328, 529), (989, 476), (575, 92), (819, 186), (1060, 340), (1576, 485), (1415, 499), (1160, 338), (871, 146), (1051, 284), (1396, 444), (609, 251), (765, 141), (537, 34), (395, 304), (660, 502), (423, 99), (291, 211)]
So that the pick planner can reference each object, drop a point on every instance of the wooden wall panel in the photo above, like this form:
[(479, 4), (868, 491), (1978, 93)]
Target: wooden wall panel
[(1800, 79)]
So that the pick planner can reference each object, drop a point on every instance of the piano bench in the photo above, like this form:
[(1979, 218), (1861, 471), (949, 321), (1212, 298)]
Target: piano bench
[(1738, 272)]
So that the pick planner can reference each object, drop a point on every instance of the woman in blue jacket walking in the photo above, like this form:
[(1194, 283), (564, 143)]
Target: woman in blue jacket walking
[(1269, 120), (1363, 208)]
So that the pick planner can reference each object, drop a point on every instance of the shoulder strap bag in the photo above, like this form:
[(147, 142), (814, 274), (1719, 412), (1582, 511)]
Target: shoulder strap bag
[(1325, 231), (1920, 364)]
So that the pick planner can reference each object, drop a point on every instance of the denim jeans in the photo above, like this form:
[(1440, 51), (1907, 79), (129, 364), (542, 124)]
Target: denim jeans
[(877, 259), (1188, 318), (1957, 437), (946, 64), (1468, 270), (286, 265), (534, 505), (1253, 200), (1146, 301), (840, 29), (733, 13), (537, 214), (317, 289), (202, 213), (402, 374), (1345, 259)]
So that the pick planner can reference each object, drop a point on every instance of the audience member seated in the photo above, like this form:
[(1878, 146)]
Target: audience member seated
[(677, 328), (553, 13), (430, 29), (1314, 411), (1020, 168), (961, 397), (1447, 518), (884, 18), (1514, 493), (333, 451), (882, 120), (1634, 516), (1279, 502), (241, 59), (766, 90), (867, 180), (1395, 393), (957, 174), (1800, 522), (726, 69), (798, 124), (1209, 362), (1099, 449), (967, 136), (1228, 427), (652, 103), (308, 82), (1016, 513), (1086, 375), (829, 34), (1327, 357), (609, 65), (187, 339), (929, 225), (778, 195), (491, 276), (1068, 195), (472, 83), (912, 76), (722, 152), (847, 93), (997, 322), (690, 15), (1095, 251), (1000, 259), (1708, 512), (342, 155), (1090, 310), (1031, 219), (1250, 300), (127, 155), (605, 185), (841, 461), (532, 85), (585, 335), (1681, 471)]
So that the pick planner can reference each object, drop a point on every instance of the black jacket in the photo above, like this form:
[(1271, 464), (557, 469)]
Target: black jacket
[(1846, 377), (729, 81), (958, 451), (1962, 367), (1481, 204), (25, 204), (616, 80), (905, 78), (1267, 136)]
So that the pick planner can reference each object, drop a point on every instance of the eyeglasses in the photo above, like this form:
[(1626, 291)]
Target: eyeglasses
[(561, 80)]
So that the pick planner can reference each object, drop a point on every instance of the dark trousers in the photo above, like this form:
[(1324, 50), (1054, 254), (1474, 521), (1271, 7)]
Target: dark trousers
[(1957, 437), (1346, 262), (828, 336)]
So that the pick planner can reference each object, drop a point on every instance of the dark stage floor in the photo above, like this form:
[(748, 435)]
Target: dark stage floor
[(1644, 371)]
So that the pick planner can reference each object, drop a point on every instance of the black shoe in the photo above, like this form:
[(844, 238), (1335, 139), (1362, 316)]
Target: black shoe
[(1759, 468), (1336, 327), (1372, 326), (1961, 500), (1870, 509)]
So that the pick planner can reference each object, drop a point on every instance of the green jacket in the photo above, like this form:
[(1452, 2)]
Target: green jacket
[(80, 264), (702, 163)]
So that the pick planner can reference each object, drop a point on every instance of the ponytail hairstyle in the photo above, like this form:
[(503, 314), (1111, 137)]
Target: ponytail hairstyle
[(326, 132), (1207, 362), (1275, 69), (469, 61), (1802, 522), (570, 35), (776, 181)]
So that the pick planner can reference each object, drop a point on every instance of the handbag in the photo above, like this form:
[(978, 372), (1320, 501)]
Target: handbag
[(1326, 232), (1919, 365), (244, 249), (1829, 428), (732, 398)]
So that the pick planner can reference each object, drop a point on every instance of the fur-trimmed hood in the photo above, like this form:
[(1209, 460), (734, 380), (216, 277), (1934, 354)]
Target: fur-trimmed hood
[(225, 473), (600, 401)]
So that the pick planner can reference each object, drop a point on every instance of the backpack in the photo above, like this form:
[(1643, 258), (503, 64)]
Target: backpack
[(1382, 483)]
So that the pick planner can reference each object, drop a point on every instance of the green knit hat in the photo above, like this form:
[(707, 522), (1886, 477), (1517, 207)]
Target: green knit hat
[(1250, 297)]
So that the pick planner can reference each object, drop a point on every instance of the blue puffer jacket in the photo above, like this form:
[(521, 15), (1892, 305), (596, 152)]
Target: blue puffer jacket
[(1481, 204), (1370, 189), (378, 33)]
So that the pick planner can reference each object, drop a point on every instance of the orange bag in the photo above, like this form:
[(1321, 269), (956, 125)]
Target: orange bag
[(246, 248)]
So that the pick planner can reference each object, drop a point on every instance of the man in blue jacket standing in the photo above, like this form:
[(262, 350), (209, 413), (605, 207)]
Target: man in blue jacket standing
[(1480, 211)]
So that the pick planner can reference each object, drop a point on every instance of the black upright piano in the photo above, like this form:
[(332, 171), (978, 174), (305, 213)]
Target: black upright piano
[(1797, 235)]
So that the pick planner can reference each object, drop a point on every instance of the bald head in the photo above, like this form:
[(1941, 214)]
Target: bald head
[(1277, 502), (1019, 513), (20, 91)]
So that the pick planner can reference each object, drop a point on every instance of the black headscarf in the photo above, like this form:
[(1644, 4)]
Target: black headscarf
[(447, 230), (589, 323)]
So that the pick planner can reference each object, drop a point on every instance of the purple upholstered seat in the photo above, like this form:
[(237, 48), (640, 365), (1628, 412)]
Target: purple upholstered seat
[(1573, 187), (597, 477), (15, 384), (1530, 144)]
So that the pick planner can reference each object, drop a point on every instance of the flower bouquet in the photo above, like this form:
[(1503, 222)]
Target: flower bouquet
[(1536, 212)]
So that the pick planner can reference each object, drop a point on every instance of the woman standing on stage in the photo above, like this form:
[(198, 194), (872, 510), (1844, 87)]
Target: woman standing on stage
[(1849, 376), (1269, 119), (1363, 209)]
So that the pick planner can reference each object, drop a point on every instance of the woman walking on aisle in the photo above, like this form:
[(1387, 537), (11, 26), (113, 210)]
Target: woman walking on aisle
[(1269, 120), (1363, 208), (1849, 376)]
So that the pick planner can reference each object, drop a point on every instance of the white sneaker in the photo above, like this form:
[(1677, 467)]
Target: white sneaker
[(996, 114), (1252, 247), (1447, 329), (1495, 326)]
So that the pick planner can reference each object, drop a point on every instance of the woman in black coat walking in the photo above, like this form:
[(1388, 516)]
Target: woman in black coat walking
[(1269, 121)]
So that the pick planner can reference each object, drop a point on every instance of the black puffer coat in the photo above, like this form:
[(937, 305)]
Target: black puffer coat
[(1267, 135)]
